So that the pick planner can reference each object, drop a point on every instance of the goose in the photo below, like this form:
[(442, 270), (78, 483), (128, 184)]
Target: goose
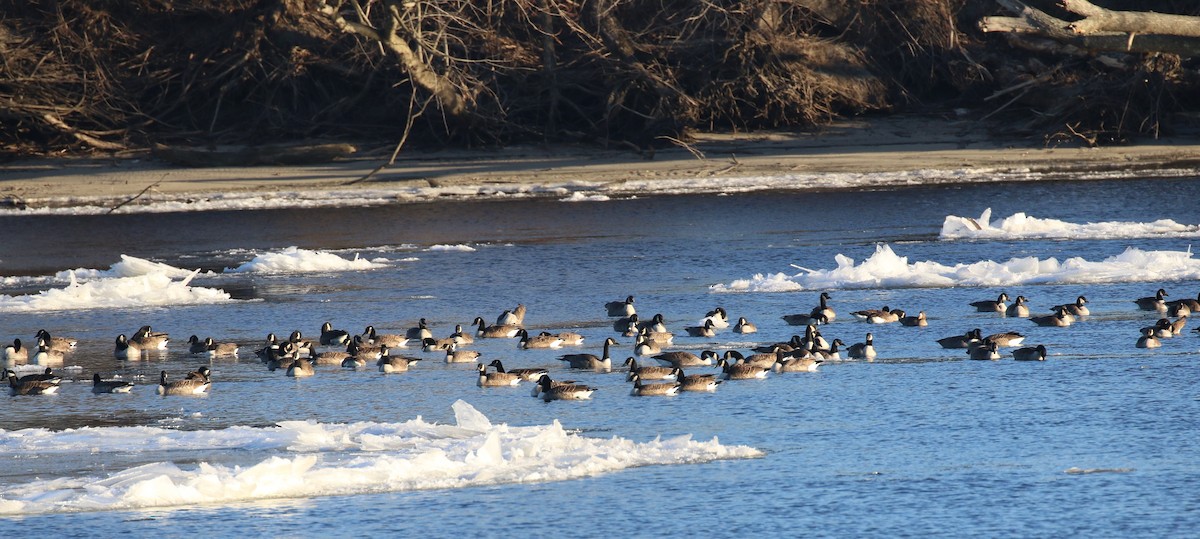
[(335, 358), (187, 386), (824, 309), (868, 313), (646, 347), (58, 344), (1178, 309), (514, 317), (304, 346), (886, 317), (1079, 308), (225, 349), (147, 339), (985, 351), (718, 317), (196, 346), (15, 354), (126, 349), (741, 372), (354, 362), (529, 375), (656, 324), (300, 368), (201, 373), (1019, 308), (620, 308), (661, 338), (542, 340), (961, 341), (915, 321), (283, 357), (270, 351), (998, 306), (832, 353), (813, 339), (1030, 353), (389, 364), (1008, 338), (110, 386), (707, 330), (333, 337), (454, 355), (862, 350), (46, 356), (785, 363), (1148, 340), (805, 319), (627, 326), (390, 340), (1162, 329), (649, 372), (1058, 319), (1154, 303), (549, 391), (787, 346), (367, 351), (537, 386), (494, 332), (665, 389), (1191, 305), (762, 359), (685, 359), (421, 332), (496, 379), (461, 338), (1177, 325), (589, 361), (433, 345), (570, 338), (44, 376), (29, 386), (745, 327), (696, 382)]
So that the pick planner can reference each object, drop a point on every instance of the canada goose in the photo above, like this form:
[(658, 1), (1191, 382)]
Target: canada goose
[(304, 347), (832, 353), (514, 317), (44, 376), (862, 350), (646, 347), (791, 344), (147, 339), (589, 361), (661, 338), (656, 324), (786, 363), (744, 326), (570, 338), (1155, 303), (225, 349), (28, 385), (537, 386), (389, 364), (686, 359), (762, 359), (696, 382), (718, 316), (332, 358), (961, 341), (354, 362), (985, 351), (627, 326), (367, 351), (649, 372), (1079, 308), (434, 345), (707, 330), (1148, 340), (126, 349), (550, 391), (333, 337), (110, 386), (1030, 353), (494, 332), (886, 317), (542, 340), (915, 321), (454, 355), (741, 372), (1019, 308), (57, 344), (461, 338), (300, 368), (805, 319), (1008, 338), (1177, 325), (196, 346), (390, 340), (664, 389), (421, 332), (620, 308), (496, 379), (988, 306), (824, 309), (270, 351), (1058, 319), (529, 375), (15, 354), (1180, 305), (187, 386), (868, 313), (1162, 329), (283, 357), (46, 356)]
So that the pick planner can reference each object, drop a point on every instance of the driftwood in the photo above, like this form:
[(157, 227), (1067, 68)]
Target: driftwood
[(253, 156), (1102, 29)]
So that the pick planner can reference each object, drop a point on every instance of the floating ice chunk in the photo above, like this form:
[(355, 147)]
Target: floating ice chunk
[(155, 289), (296, 260), (1022, 226), (461, 247)]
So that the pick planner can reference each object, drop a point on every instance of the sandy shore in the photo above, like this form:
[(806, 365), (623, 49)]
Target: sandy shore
[(860, 145)]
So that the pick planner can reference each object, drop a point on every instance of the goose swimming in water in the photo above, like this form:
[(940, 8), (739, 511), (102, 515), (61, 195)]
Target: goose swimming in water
[(57, 344), (649, 372), (1079, 308), (962, 341), (390, 340), (646, 347), (391, 364), (718, 317), (823, 309), (620, 308), (745, 327), (664, 389), (707, 330), (915, 321), (786, 363), (147, 339), (301, 368), (46, 356), (741, 372), (1154, 303), (985, 351), (540, 341), (549, 391), (590, 361), (1148, 340), (494, 332), (126, 349), (110, 386), (333, 337), (805, 319), (496, 379), (1030, 353), (686, 359), (696, 382), (187, 386), (514, 317), (454, 355), (421, 332), (862, 350), (15, 354), (1058, 319), (30, 385), (529, 375), (1007, 338), (988, 306), (1019, 308)]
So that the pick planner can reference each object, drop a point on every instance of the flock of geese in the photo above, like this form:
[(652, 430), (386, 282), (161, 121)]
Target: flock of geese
[(299, 357)]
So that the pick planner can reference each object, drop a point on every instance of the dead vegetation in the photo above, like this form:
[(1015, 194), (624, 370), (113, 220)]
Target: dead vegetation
[(110, 75)]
